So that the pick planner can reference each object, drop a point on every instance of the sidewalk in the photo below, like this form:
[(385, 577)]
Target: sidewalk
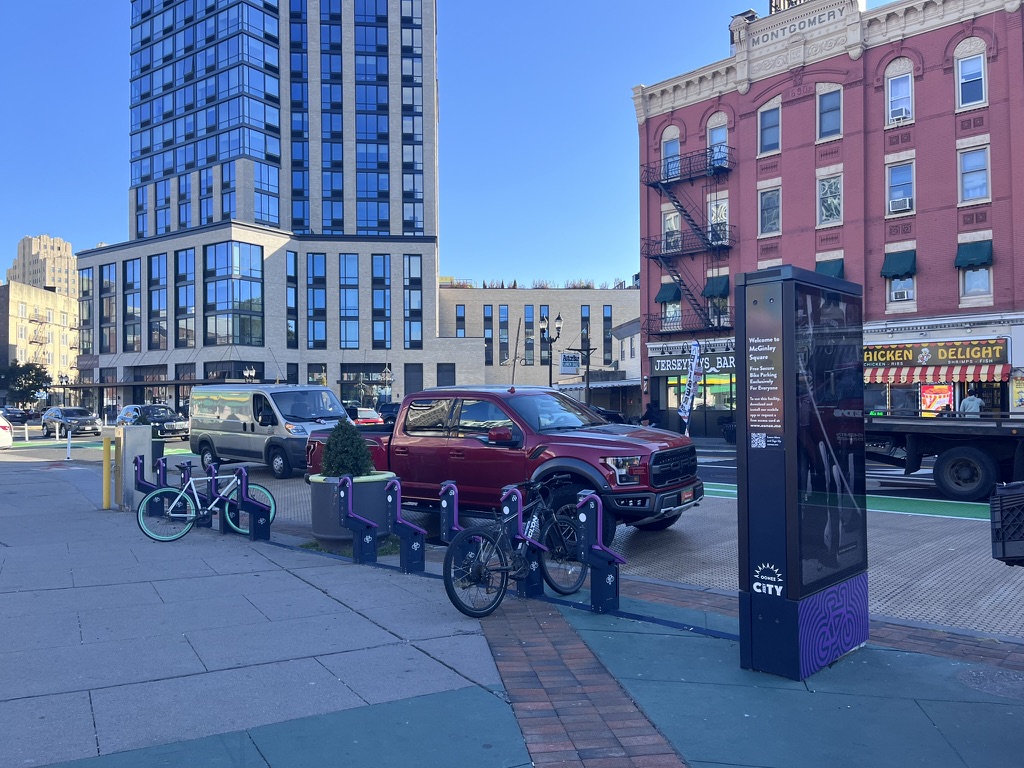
[(216, 651)]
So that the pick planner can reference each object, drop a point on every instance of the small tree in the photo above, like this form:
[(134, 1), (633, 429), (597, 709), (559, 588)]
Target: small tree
[(346, 453), (23, 380)]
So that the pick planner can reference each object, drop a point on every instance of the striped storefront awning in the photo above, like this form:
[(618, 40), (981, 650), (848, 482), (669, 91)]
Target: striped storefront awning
[(937, 374)]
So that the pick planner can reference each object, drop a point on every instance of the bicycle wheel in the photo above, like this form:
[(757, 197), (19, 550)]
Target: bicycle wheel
[(561, 565), (238, 519), (476, 571), (166, 514)]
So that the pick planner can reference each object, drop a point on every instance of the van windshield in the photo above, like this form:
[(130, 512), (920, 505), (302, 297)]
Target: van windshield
[(309, 405)]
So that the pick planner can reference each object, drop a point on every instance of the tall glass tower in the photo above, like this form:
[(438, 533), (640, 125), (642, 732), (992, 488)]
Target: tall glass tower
[(282, 214), (312, 116)]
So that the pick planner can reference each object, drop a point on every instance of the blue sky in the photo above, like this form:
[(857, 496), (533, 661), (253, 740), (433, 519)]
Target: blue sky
[(538, 158)]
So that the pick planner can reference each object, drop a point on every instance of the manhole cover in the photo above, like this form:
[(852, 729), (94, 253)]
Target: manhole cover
[(998, 682)]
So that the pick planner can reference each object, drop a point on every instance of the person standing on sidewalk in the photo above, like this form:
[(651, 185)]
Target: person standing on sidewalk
[(971, 406)]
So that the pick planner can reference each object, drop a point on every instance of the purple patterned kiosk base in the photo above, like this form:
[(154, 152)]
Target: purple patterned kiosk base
[(832, 622)]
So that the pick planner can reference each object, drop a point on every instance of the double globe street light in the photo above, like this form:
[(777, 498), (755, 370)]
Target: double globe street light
[(550, 340)]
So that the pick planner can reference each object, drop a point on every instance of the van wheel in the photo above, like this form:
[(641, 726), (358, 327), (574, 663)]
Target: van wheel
[(279, 464), (207, 457)]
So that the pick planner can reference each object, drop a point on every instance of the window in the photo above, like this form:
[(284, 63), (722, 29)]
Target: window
[(975, 282), (830, 117), (898, 90), (970, 73), (672, 237), (718, 142), (974, 264), (900, 183), (718, 222), (768, 125), (830, 200), (974, 175), (901, 289), (770, 211), (670, 158)]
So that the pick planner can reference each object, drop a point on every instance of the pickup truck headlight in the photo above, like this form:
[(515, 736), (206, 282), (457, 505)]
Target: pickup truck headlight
[(295, 429), (626, 468)]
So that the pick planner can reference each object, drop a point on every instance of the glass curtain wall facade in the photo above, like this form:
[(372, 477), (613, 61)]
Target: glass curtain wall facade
[(282, 195)]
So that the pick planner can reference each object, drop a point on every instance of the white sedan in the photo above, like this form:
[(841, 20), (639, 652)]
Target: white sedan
[(6, 434)]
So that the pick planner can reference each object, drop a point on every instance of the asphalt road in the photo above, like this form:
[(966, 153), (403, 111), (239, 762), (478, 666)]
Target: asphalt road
[(929, 561)]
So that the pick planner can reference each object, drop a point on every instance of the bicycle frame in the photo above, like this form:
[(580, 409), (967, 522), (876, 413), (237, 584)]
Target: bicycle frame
[(214, 503)]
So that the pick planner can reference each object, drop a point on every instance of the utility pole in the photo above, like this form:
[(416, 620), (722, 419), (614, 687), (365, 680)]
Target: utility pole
[(585, 349)]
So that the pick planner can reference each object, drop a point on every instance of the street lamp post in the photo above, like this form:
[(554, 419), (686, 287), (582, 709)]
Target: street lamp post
[(386, 377), (63, 379), (550, 340), (585, 349)]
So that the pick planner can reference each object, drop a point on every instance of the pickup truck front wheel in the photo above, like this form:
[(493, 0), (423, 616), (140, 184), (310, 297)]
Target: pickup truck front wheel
[(563, 502), (965, 473)]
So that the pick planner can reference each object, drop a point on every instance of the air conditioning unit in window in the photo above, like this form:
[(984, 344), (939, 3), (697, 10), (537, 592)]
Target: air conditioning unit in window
[(899, 115), (901, 204), (900, 295)]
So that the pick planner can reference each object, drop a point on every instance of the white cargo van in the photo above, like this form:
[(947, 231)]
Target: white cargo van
[(267, 423)]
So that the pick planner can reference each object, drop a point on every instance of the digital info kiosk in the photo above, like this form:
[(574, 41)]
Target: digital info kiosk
[(800, 450)]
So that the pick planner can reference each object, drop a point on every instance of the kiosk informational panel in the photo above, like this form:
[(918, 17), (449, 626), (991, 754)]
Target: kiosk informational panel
[(800, 441)]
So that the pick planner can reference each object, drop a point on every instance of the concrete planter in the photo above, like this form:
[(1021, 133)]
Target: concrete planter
[(368, 500)]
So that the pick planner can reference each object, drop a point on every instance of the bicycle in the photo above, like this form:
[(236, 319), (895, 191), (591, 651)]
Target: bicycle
[(481, 559), (167, 514)]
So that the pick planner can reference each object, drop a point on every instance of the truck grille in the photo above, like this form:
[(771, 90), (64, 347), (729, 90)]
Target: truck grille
[(673, 466)]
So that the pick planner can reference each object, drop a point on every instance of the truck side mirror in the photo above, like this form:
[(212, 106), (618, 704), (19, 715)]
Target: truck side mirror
[(266, 419), (500, 436)]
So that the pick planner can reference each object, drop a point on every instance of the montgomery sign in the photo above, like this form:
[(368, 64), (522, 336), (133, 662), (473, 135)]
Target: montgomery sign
[(977, 352)]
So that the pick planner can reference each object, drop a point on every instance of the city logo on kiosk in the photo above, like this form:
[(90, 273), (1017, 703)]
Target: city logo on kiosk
[(767, 580)]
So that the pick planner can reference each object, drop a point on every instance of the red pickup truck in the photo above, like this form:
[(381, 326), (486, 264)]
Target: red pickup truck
[(486, 437)]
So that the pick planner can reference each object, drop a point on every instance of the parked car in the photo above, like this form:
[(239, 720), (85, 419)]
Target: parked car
[(78, 421), (6, 434), (14, 415), (361, 416), (165, 422), (389, 411), (609, 415)]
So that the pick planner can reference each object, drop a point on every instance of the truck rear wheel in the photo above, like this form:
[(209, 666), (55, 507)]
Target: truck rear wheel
[(965, 473)]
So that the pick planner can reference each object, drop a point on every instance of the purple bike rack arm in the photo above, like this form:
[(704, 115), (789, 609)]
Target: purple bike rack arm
[(598, 545), (394, 482), (520, 533), (346, 480)]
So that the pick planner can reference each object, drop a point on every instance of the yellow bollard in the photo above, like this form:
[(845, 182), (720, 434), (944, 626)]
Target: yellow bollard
[(106, 473)]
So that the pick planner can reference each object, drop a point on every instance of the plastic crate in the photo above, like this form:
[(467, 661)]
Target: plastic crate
[(1006, 508)]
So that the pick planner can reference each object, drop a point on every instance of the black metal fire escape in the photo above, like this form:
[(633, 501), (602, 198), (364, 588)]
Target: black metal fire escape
[(676, 252)]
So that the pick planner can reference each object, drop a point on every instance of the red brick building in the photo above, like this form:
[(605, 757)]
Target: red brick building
[(873, 145)]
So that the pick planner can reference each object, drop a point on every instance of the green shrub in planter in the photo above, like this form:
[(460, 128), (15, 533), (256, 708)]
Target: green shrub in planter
[(346, 453)]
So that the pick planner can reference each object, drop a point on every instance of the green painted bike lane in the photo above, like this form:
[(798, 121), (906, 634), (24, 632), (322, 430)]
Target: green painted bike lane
[(934, 508)]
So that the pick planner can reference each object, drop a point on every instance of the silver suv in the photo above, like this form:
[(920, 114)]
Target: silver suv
[(77, 421)]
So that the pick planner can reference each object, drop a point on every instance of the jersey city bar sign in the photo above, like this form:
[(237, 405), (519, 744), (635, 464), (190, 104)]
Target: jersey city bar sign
[(977, 352)]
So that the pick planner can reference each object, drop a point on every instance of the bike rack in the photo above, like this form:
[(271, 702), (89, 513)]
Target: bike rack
[(604, 563), (533, 584), (449, 511), (364, 532), (259, 513), (413, 538), (142, 485)]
